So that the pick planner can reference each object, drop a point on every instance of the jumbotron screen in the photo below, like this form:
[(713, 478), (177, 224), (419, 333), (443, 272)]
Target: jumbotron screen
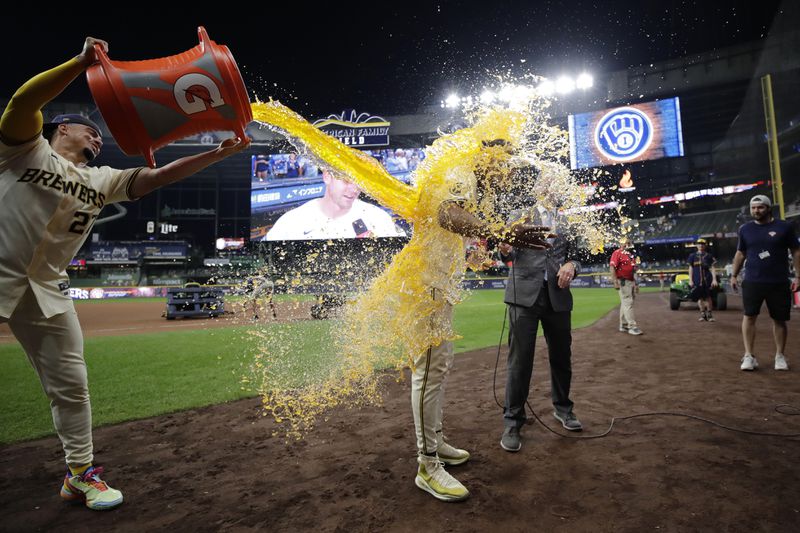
[(638, 132), (292, 198)]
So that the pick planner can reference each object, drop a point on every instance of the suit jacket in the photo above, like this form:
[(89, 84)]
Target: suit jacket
[(526, 277)]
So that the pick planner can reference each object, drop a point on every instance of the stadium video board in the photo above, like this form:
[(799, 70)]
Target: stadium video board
[(291, 198), (637, 132)]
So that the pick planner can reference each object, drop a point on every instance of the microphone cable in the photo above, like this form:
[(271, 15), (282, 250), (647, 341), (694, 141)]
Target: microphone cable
[(784, 409)]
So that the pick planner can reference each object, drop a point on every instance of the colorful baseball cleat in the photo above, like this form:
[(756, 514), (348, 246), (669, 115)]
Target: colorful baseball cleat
[(89, 488)]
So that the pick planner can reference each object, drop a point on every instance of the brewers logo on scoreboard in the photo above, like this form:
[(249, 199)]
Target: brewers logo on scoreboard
[(632, 133)]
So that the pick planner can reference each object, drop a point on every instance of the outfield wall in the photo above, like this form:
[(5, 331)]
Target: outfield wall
[(103, 293)]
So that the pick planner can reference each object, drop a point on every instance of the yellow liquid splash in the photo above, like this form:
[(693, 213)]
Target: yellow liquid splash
[(396, 319)]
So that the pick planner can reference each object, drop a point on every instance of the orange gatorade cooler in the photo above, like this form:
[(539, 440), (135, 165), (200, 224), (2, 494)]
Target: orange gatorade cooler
[(149, 104)]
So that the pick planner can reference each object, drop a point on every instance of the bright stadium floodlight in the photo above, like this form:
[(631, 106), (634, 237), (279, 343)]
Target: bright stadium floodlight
[(584, 81), (521, 92), (452, 100), (546, 88), (565, 85), (506, 93), (487, 97)]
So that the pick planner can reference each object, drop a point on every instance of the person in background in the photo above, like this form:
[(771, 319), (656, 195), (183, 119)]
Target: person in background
[(261, 287), (262, 167), (293, 167), (397, 162), (702, 278), (763, 246), (623, 274)]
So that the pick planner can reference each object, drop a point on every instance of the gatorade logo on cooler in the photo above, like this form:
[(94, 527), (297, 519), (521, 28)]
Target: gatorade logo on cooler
[(195, 93)]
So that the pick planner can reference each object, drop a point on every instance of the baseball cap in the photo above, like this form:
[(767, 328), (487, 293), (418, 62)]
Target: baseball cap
[(761, 199), (73, 118), (701, 241)]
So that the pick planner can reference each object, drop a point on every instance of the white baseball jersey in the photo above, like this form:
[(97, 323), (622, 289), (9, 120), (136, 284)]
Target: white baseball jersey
[(309, 222), (47, 208)]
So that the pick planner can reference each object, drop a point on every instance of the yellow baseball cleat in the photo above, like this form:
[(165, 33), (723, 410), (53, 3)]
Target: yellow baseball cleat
[(89, 488), (450, 455), (434, 479)]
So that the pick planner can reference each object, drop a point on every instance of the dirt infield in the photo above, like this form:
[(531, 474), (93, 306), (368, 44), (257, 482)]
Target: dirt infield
[(128, 317), (220, 468)]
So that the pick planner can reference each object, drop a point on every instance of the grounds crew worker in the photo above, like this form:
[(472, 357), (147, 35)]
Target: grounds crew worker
[(50, 199)]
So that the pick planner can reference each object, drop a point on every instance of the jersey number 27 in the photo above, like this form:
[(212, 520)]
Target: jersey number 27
[(82, 222)]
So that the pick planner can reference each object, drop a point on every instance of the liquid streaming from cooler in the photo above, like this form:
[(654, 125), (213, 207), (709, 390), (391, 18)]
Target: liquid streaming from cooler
[(391, 323)]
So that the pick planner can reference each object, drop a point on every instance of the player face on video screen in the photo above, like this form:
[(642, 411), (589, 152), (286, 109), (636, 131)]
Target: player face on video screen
[(340, 192)]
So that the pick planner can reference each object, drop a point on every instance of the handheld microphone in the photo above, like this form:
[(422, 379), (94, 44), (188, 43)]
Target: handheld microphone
[(361, 229)]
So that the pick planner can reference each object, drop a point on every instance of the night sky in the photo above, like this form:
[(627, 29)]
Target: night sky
[(388, 57)]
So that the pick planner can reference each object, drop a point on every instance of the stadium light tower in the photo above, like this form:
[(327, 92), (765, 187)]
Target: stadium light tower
[(511, 93), (506, 93), (546, 88), (565, 85), (584, 81), (452, 100)]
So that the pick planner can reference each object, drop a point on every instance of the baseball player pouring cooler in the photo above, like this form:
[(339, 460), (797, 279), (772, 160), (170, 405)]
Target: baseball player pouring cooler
[(50, 200)]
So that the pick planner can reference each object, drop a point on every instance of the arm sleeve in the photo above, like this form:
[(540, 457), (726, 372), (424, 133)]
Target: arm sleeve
[(512, 256), (22, 119), (569, 255)]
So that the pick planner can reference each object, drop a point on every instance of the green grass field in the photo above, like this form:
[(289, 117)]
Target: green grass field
[(138, 376)]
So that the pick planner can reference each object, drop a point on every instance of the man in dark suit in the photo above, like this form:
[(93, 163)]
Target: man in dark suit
[(538, 291)]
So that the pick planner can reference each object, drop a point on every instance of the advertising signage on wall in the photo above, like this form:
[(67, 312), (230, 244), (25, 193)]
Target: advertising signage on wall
[(700, 193), (355, 129), (124, 252), (261, 199), (637, 132)]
